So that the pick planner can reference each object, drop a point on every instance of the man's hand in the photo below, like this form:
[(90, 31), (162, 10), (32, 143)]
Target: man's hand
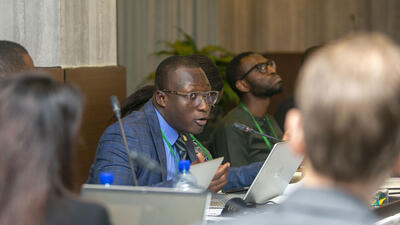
[(200, 159), (286, 136), (220, 178)]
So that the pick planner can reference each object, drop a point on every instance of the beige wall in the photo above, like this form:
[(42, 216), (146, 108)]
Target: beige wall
[(88, 33), (35, 25), (67, 33), (144, 24)]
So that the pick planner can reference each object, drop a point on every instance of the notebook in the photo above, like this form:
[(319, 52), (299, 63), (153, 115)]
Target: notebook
[(204, 172)]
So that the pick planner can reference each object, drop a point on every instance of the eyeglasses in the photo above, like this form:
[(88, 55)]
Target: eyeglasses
[(196, 97), (260, 67)]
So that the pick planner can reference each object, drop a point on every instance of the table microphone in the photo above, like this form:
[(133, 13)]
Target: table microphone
[(117, 112), (247, 129)]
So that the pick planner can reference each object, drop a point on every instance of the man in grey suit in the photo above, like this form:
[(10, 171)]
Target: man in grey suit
[(348, 127)]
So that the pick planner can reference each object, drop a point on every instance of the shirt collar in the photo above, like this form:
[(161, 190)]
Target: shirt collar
[(170, 133)]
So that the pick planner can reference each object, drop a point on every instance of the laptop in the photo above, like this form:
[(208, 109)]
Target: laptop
[(137, 205), (204, 172), (275, 174)]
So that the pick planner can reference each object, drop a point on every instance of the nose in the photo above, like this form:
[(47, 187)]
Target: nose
[(271, 69), (203, 106)]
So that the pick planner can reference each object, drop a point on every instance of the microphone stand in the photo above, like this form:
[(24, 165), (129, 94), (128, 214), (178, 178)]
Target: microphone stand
[(247, 129), (116, 109), (265, 135)]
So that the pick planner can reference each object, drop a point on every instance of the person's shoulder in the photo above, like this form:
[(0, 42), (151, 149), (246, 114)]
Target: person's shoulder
[(135, 118), (265, 218), (233, 116), (132, 121), (81, 205), (69, 210)]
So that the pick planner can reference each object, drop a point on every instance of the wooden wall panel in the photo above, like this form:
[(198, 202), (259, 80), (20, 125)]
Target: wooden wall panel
[(288, 65), (286, 25), (294, 25), (97, 84), (55, 72)]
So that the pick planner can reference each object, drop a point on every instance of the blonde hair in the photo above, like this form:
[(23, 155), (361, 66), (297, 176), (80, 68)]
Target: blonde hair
[(349, 96)]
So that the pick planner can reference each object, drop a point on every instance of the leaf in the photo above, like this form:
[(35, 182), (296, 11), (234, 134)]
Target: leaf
[(189, 40), (163, 52), (211, 49)]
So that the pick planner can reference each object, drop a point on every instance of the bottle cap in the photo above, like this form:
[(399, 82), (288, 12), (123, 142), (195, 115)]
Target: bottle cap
[(106, 178), (184, 165)]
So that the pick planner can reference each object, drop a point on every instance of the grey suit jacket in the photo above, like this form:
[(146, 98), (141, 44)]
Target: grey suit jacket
[(314, 206)]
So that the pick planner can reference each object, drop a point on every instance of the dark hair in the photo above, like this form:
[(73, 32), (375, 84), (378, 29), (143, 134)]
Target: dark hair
[(12, 57), (171, 64), (211, 71), (136, 100), (39, 120), (234, 70)]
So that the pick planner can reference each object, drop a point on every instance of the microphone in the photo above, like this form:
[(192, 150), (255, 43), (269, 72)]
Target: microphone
[(146, 162), (116, 108), (117, 112), (138, 158), (247, 129)]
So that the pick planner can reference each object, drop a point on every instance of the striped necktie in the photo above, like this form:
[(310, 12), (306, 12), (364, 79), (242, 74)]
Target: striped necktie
[(180, 146)]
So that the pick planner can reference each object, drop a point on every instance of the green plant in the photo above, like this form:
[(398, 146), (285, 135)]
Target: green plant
[(219, 55)]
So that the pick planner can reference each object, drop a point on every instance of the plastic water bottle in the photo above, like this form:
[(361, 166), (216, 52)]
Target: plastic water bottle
[(106, 178), (187, 181)]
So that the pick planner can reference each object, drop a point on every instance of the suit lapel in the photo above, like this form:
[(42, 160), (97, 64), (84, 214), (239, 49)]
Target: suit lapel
[(152, 120)]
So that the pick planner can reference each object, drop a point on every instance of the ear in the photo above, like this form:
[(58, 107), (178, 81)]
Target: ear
[(161, 98), (242, 86), (294, 128), (396, 167)]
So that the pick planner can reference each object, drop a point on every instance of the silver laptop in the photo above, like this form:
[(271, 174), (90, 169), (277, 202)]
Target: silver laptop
[(149, 205), (204, 172), (275, 174)]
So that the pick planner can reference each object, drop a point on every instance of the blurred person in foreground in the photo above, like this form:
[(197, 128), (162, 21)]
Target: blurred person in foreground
[(348, 126), (39, 120), (288, 103)]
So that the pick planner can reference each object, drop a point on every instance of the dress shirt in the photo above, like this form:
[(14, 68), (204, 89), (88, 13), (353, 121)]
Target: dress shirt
[(171, 135)]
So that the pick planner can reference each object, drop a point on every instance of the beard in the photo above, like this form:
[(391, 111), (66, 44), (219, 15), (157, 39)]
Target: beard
[(265, 90)]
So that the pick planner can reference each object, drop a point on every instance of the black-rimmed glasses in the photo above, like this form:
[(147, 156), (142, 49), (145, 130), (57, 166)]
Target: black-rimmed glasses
[(196, 97), (260, 67)]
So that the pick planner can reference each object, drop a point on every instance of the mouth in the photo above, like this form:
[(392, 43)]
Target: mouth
[(277, 79), (201, 122)]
